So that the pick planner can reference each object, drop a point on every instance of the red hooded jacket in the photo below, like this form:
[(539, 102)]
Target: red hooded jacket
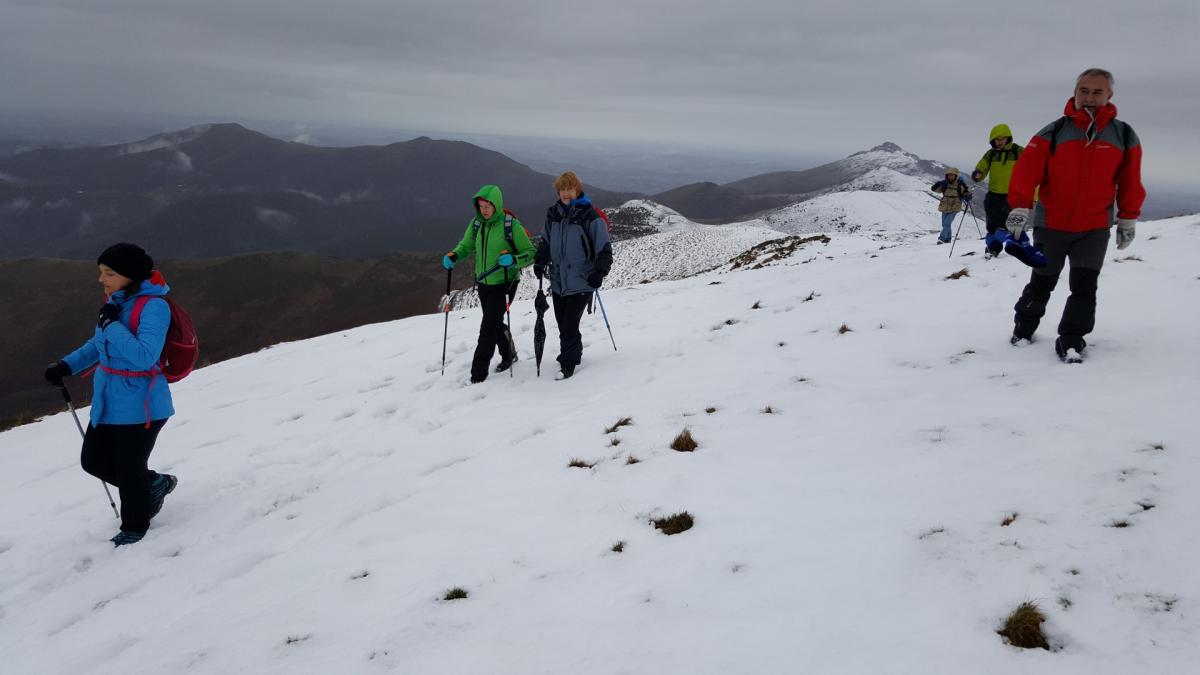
[(1081, 180)]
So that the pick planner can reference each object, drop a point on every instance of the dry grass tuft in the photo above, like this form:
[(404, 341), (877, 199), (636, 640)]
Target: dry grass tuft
[(456, 593), (1122, 523), (674, 524), (768, 410), (577, 463), (631, 460), (1008, 520), (710, 410), (623, 422), (614, 441), (844, 329), (618, 547), (757, 304), (1023, 628), (684, 442), (959, 274)]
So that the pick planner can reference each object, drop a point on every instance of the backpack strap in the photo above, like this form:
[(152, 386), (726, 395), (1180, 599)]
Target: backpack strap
[(135, 315)]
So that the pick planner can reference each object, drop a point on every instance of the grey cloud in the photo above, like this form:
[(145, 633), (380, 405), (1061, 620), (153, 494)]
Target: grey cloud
[(765, 75)]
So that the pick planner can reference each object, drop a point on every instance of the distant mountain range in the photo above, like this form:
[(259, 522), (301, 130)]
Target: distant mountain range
[(222, 189)]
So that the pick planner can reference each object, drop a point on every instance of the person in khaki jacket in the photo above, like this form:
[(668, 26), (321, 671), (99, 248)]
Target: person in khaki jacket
[(954, 194)]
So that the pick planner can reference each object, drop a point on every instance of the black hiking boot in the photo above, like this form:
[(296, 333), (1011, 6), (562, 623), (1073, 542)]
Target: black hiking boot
[(163, 485), (1070, 349), (124, 538), (565, 372)]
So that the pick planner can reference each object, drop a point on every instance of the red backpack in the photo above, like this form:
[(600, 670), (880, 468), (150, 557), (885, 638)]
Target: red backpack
[(181, 348)]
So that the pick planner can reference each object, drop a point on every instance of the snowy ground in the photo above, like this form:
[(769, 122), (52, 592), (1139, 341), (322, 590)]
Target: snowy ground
[(332, 490)]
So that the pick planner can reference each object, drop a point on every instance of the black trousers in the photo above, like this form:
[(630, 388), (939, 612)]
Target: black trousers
[(996, 208), (117, 454), (493, 333), (1085, 251), (568, 310)]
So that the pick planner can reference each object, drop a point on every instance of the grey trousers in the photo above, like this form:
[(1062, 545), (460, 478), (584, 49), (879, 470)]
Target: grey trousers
[(1085, 251)]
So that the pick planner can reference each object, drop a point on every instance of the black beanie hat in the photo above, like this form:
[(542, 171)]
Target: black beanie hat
[(128, 260)]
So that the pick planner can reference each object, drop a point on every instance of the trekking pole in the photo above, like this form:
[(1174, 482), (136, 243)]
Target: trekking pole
[(605, 315), (960, 224), (976, 224), (512, 346), (62, 388), (446, 310)]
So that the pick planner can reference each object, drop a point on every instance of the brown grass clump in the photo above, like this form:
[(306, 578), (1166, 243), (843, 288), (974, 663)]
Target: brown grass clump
[(674, 524), (684, 442), (631, 460), (623, 422), (1119, 523), (757, 304), (618, 547), (615, 441), (1023, 628), (710, 410), (456, 593), (577, 463), (1008, 520), (844, 329), (768, 410), (959, 274)]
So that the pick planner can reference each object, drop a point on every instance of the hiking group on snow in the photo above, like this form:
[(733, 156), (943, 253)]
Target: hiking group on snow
[(1063, 183)]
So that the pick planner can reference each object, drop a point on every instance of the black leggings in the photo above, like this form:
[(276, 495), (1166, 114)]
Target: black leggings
[(493, 333), (117, 454)]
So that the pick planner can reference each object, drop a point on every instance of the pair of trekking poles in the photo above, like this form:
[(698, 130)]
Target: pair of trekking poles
[(451, 295)]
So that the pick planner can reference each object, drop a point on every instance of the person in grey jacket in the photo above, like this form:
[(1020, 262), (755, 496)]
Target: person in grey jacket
[(575, 254)]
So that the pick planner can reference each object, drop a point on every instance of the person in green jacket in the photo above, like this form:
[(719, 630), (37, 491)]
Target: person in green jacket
[(997, 166), (501, 247)]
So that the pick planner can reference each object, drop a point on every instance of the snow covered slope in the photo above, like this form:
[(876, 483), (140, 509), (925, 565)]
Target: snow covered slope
[(333, 490), (893, 215)]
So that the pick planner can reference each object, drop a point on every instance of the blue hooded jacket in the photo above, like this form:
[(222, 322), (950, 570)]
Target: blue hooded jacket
[(121, 399), (574, 245)]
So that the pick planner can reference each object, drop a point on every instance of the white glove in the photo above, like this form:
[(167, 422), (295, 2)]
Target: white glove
[(1016, 222), (1125, 230)]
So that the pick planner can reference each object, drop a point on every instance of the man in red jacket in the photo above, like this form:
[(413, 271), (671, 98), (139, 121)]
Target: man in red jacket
[(1080, 164)]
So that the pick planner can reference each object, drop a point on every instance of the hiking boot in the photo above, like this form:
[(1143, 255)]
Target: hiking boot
[(163, 485), (124, 538), (504, 365), (1019, 341), (1070, 349), (566, 371), (476, 379)]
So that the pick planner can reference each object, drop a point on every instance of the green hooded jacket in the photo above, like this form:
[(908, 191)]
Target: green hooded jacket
[(485, 238), (998, 163)]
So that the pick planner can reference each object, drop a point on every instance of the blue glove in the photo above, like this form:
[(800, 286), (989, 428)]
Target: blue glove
[(448, 261), (506, 260)]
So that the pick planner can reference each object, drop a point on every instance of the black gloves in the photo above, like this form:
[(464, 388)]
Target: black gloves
[(108, 314), (55, 372), (539, 271), (595, 279)]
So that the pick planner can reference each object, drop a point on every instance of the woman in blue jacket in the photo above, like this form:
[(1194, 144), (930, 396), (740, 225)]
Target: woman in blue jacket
[(130, 397), (575, 255)]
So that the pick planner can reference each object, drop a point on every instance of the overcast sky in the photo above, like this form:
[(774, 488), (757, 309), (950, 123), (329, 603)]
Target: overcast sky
[(764, 75)]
